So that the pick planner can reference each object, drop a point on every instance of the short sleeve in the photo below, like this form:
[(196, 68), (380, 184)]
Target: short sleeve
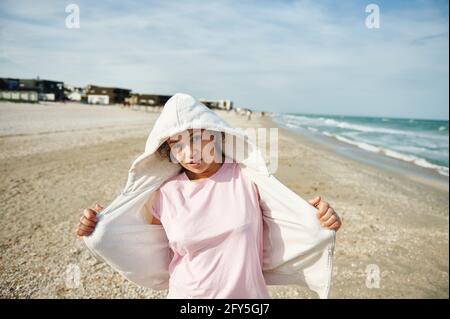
[(256, 190), (156, 206)]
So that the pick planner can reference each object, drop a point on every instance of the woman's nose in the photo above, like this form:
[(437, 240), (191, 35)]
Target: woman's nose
[(192, 151)]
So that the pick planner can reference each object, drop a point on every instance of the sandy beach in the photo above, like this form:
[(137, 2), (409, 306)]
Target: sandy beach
[(57, 159)]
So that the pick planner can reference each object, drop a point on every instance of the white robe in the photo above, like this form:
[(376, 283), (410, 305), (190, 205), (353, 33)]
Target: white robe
[(297, 249)]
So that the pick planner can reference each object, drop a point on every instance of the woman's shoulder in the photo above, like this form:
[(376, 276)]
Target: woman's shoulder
[(240, 173), (171, 181)]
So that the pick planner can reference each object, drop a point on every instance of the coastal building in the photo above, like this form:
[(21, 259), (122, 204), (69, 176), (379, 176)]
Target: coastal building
[(218, 104), (50, 90), (106, 95), (9, 84), (148, 99), (31, 90), (74, 93), (10, 91)]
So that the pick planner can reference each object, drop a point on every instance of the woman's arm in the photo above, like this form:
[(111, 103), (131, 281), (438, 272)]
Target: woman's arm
[(88, 219), (149, 217), (148, 210), (155, 221)]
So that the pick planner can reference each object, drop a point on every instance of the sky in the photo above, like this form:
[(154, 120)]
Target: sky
[(314, 57)]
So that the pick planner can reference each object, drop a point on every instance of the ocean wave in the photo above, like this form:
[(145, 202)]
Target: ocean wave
[(426, 150), (409, 144), (423, 148), (392, 153), (364, 146), (323, 121)]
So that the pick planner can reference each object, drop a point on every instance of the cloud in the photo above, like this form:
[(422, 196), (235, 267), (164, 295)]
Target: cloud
[(293, 56), (425, 39)]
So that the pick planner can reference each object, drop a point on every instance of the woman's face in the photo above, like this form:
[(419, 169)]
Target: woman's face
[(195, 149)]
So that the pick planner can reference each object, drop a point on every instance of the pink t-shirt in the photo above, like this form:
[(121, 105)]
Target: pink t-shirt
[(214, 227)]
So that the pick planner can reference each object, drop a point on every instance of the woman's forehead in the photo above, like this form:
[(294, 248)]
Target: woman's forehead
[(188, 132)]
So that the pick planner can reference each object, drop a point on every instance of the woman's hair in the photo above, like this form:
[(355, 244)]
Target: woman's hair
[(164, 150)]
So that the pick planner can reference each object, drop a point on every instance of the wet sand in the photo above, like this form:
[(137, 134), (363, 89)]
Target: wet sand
[(57, 159)]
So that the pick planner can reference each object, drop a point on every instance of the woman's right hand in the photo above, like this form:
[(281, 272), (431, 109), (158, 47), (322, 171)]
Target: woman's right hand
[(88, 221)]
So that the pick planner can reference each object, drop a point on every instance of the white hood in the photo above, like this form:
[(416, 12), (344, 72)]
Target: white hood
[(297, 250)]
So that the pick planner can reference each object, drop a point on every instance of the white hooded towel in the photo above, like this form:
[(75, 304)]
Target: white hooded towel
[(297, 249)]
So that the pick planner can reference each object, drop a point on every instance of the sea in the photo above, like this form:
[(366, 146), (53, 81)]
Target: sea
[(422, 142)]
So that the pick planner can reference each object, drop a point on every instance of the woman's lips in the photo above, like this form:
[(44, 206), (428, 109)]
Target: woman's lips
[(195, 164), (191, 161)]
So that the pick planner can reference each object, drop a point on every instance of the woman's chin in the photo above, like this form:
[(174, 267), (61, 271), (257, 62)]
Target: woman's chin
[(195, 167)]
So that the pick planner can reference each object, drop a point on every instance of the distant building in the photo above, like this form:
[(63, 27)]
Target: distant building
[(106, 95), (218, 104), (31, 90), (9, 84), (148, 99), (50, 90), (19, 95), (73, 93)]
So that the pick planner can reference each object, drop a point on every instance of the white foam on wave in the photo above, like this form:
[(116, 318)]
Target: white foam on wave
[(300, 122), (323, 121), (391, 153), (364, 146)]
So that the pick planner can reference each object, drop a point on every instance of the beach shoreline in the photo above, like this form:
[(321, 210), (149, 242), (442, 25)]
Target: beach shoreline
[(389, 165), (56, 163)]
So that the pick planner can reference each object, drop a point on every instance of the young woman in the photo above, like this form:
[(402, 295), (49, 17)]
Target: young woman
[(212, 216)]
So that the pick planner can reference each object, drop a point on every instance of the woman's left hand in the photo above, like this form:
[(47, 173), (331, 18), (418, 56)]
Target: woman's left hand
[(325, 213)]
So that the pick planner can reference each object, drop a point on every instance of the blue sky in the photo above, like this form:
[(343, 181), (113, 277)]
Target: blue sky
[(283, 56)]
